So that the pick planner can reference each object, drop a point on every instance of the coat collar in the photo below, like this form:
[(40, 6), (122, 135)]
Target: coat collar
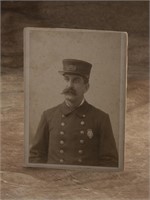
[(80, 111)]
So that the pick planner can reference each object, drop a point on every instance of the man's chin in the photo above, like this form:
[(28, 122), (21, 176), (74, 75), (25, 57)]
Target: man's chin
[(70, 97)]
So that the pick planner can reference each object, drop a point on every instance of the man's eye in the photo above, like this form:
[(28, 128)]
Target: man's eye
[(66, 79), (76, 80)]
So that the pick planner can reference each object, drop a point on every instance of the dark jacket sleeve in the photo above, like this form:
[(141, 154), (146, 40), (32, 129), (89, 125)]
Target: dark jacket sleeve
[(39, 147), (108, 151)]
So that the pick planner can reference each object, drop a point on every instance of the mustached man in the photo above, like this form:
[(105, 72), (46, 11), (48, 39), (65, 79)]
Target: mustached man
[(75, 132)]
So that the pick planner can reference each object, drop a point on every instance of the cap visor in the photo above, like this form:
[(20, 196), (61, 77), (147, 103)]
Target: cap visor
[(63, 72)]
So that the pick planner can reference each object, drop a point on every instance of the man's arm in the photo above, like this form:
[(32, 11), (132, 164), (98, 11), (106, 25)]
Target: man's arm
[(108, 151), (39, 148)]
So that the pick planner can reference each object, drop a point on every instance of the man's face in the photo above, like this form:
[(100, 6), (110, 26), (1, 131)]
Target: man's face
[(75, 87)]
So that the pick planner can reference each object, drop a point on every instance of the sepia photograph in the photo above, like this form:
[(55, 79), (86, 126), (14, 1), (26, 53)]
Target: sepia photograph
[(75, 100), (74, 97)]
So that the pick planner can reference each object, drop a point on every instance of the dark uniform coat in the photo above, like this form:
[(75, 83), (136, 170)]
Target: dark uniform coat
[(76, 137)]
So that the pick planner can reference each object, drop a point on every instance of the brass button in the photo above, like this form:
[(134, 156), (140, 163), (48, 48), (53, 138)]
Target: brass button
[(62, 124), (61, 160), (80, 151), (61, 151), (82, 132), (61, 142), (81, 141), (82, 123), (80, 160), (63, 116), (62, 133), (83, 115)]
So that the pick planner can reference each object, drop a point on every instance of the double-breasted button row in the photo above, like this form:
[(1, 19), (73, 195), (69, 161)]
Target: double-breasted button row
[(61, 151), (62, 142)]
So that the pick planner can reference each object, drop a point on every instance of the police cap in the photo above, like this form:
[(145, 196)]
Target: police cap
[(78, 67)]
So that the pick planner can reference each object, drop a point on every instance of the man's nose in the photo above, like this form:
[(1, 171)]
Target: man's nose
[(70, 84)]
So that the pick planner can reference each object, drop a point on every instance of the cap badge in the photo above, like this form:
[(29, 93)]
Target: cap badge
[(71, 67), (90, 133)]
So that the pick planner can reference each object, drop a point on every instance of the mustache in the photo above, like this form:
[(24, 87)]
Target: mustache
[(69, 91)]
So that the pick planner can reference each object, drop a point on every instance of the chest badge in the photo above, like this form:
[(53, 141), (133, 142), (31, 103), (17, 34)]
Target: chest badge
[(90, 133)]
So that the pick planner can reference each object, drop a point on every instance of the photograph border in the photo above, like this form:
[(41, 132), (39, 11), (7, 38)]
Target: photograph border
[(123, 89)]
